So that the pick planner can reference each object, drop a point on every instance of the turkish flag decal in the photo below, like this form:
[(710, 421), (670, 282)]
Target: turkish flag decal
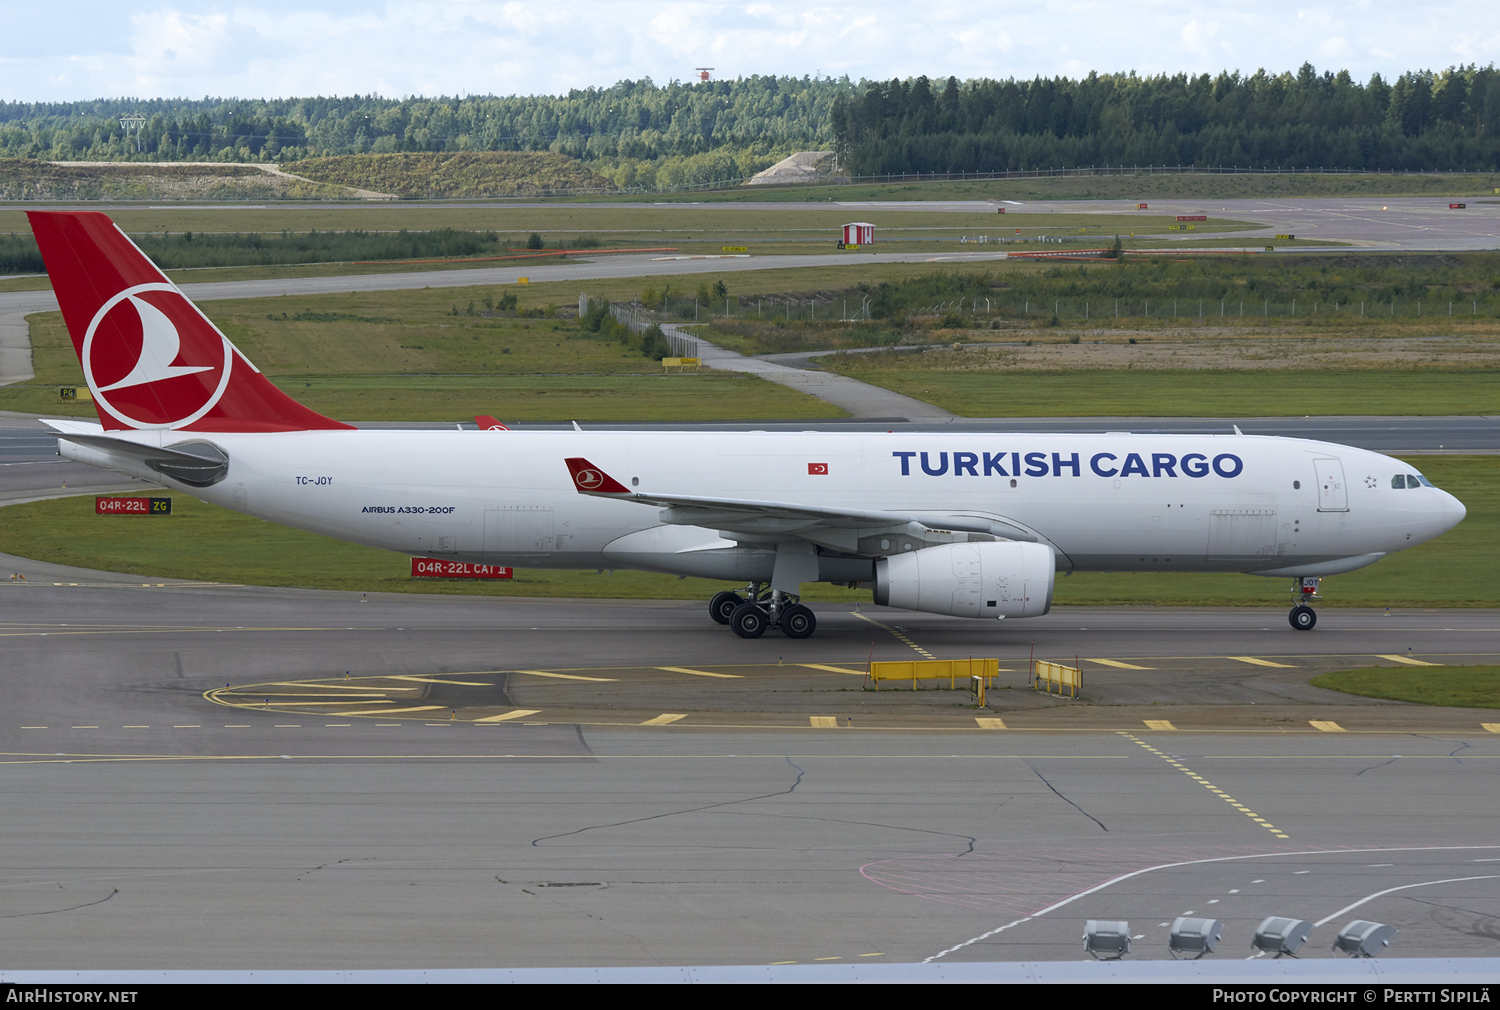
[(817, 468)]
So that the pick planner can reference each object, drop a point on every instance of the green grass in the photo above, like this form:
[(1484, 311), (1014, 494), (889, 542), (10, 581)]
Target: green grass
[(1108, 187), (1173, 393), (200, 541), (1453, 686), (209, 543)]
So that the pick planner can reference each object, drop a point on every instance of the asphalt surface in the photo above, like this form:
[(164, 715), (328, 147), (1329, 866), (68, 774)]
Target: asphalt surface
[(150, 827)]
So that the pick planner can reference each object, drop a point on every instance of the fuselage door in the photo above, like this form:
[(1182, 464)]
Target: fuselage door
[(1333, 496)]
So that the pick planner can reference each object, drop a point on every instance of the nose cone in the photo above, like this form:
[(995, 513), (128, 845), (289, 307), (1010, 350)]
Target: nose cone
[(1450, 513)]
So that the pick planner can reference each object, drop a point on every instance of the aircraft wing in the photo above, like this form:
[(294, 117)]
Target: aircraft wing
[(861, 531)]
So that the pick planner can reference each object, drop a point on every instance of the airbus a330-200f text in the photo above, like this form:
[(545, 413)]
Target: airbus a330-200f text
[(964, 524)]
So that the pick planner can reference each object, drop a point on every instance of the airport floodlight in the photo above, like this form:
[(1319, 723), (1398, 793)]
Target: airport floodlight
[(1277, 935), (1192, 938), (1107, 939), (1365, 939)]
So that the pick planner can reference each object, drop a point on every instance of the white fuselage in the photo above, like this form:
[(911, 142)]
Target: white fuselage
[(1114, 502)]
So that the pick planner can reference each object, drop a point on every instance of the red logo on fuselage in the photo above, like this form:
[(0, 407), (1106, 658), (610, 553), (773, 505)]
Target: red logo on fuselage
[(152, 360), (817, 469)]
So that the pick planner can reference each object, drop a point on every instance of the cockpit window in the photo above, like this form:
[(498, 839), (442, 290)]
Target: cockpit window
[(1419, 479), (1399, 481)]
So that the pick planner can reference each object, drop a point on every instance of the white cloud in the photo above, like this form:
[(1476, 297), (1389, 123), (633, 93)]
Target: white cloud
[(82, 49)]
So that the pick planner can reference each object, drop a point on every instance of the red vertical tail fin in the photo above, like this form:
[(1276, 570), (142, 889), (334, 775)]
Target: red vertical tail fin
[(151, 359)]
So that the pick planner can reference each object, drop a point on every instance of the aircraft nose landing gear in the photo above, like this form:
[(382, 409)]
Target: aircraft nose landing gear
[(1303, 617)]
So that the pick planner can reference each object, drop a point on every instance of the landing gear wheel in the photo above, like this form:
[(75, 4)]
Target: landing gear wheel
[(749, 621), (723, 606), (798, 622), (1303, 617)]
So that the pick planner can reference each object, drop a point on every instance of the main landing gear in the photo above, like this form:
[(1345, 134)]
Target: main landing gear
[(764, 609), (1303, 617)]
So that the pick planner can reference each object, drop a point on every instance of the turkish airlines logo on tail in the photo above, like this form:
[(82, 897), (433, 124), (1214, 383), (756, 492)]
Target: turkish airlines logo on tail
[(588, 480), (152, 359)]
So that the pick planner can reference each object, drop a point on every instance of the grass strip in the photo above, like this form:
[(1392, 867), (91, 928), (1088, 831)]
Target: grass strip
[(1451, 686)]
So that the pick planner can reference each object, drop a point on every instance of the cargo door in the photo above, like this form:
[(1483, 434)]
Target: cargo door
[(518, 530), (1234, 534), (1333, 496)]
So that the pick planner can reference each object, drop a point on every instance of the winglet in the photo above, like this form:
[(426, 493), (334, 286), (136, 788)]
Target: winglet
[(589, 479), (488, 423)]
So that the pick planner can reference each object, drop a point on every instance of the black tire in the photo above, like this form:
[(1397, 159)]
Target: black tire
[(1303, 617), (748, 621), (798, 622), (723, 605)]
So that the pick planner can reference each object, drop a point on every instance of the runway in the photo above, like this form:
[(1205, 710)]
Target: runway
[(149, 827)]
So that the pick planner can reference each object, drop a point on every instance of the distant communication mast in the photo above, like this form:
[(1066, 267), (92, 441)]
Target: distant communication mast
[(703, 72)]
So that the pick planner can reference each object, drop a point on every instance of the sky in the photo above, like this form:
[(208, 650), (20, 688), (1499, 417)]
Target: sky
[(69, 50)]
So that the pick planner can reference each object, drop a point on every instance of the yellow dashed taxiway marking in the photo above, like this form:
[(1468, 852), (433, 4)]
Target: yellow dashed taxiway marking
[(700, 673), (823, 721), (1398, 658), (574, 676), (1159, 724), (392, 711), (1326, 726), (519, 713), (1119, 665), (900, 635), (1260, 662), (835, 669), (1209, 786), (664, 719), (990, 723)]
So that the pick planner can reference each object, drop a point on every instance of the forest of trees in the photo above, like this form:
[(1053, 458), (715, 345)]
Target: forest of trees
[(642, 135), (727, 129), (1421, 121)]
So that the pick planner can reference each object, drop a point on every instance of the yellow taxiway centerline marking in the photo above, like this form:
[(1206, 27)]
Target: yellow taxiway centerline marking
[(392, 711), (1119, 665), (1159, 724), (434, 680), (1208, 785), (701, 673), (1260, 662), (519, 713), (1398, 658), (834, 669), (663, 719), (325, 686), (988, 724), (1326, 726), (273, 704), (823, 721), (574, 676), (1493, 727)]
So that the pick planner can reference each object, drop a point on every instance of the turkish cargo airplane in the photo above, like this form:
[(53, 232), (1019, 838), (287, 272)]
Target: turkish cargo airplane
[(964, 524)]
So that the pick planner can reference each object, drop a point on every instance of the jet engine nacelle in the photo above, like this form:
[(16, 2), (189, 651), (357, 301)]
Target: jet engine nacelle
[(1001, 579)]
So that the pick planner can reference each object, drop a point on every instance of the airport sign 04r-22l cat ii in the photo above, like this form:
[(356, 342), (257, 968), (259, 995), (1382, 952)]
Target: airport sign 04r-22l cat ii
[(964, 524)]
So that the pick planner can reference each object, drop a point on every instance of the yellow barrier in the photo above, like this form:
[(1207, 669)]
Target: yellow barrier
[(935, 669), (681, 362), (1044, 675)]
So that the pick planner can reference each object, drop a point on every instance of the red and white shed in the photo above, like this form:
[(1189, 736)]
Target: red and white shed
[(859, 233)]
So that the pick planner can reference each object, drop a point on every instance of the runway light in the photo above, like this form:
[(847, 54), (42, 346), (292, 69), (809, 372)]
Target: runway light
[(1276, 935), (1364, 939), (1107, 939), (1192, 938)]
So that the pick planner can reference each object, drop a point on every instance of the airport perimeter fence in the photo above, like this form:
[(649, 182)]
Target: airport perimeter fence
[(982, 311)]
